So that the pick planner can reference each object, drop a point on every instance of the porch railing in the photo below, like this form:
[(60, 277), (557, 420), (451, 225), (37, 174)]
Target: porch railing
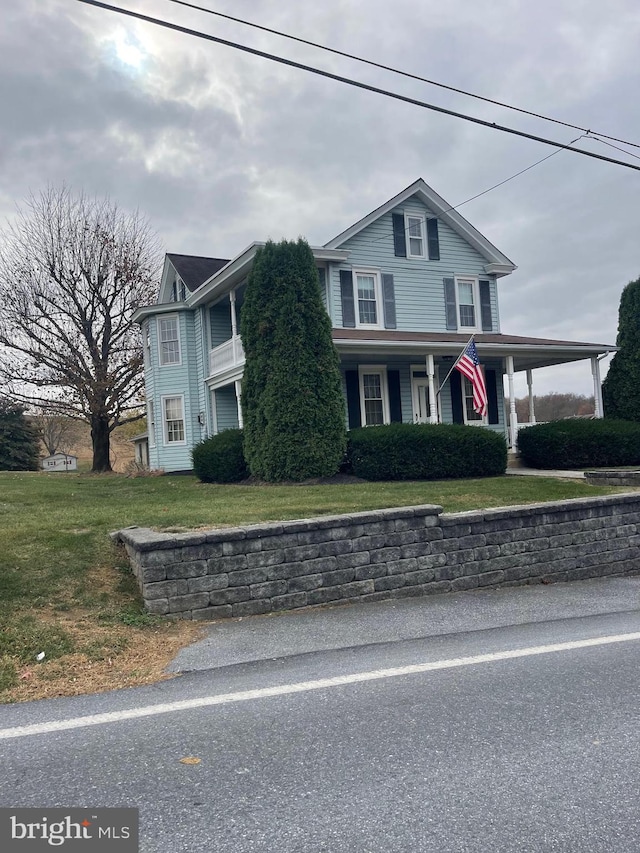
[(225, 356)]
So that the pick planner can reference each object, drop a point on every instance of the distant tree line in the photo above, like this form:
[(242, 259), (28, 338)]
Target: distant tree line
[(554, 407)]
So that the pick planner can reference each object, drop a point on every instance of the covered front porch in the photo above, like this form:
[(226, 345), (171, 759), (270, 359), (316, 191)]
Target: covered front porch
[(428, 357)]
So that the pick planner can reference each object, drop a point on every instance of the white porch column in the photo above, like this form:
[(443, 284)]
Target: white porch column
[(234, 319), (431, 372), (597, 386), (513, 417), (238, 384), (532, 411)]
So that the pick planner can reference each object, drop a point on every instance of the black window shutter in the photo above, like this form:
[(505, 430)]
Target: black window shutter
[(353, 399), (492, 395), (399, 236), (346, 295), (450, 304), (395, 402), (455, 385), (485, 306), (389, 300), (432, 239)]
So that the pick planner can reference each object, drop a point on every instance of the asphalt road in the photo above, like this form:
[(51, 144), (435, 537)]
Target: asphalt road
[(472, 723)]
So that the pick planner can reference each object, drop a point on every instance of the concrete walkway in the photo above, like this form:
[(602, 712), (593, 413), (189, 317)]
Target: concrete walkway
[(538, 472)]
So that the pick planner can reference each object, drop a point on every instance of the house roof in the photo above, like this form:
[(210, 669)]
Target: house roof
[(528, 353), (194, 270), (59, 455), (499, 263)]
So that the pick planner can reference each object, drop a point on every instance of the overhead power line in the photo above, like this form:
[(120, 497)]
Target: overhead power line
[(399, 71), (350, 82)]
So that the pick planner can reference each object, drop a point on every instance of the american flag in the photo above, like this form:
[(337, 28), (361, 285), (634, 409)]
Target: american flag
[(469, 365)]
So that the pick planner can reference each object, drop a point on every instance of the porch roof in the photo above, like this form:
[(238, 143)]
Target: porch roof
[(528, 353)]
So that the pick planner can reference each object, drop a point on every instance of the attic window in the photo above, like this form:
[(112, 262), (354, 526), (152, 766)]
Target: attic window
[(414, 228)]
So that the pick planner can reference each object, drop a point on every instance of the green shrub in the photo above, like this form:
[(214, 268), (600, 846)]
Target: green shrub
[(426, 452), (19, 441), (220, 459), (578, 443)]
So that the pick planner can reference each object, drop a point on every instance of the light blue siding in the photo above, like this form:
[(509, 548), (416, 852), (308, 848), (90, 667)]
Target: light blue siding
[(173, 380), (418, 282), (226, 408), (220, 322)]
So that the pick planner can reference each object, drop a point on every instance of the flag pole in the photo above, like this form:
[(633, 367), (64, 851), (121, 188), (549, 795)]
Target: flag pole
[(454, 365)]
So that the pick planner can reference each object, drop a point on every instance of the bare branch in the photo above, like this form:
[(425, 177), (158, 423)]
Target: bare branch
[(73, 270)]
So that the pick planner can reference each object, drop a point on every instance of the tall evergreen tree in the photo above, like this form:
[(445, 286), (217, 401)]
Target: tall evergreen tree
[(292, 402), (19, 448), (621, 388)]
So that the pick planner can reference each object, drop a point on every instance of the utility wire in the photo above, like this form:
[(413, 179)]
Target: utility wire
[(350, 82), (495, 186), (398, 71), (617, 147)]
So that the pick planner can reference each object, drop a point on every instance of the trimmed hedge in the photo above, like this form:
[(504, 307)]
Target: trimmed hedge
[(578, 443), (220, 459), (426, 452)]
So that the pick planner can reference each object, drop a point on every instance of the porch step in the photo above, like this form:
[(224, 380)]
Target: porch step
[(513, 460)]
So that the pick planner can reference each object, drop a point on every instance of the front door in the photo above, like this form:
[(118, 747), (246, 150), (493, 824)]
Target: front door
[(420, 396)]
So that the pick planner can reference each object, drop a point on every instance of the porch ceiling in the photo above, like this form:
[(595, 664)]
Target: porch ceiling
[(528, 353)]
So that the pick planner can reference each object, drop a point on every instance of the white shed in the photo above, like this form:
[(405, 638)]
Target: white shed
[(60, 462)]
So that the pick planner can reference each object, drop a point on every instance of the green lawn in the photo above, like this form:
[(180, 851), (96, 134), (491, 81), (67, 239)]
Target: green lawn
[(53, 538)]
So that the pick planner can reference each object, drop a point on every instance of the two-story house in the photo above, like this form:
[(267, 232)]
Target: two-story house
[(405, 288)]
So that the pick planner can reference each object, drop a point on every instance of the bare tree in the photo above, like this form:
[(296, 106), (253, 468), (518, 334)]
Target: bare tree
[(73, 270), (57, 432)]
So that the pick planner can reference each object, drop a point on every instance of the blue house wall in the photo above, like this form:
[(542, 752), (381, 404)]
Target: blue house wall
[(419, 291)]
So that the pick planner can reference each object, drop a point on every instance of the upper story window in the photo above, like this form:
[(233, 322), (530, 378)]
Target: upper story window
[(169, 340), (146, 333), (467, 303), (367, 304), (178, 290), (367, 287), (414, 228)]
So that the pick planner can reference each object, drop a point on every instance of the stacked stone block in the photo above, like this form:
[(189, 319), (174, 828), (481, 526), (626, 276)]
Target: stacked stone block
[(392, 553)]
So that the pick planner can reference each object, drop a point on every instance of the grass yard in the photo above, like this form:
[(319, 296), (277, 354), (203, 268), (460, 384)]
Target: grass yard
[(65, 590)]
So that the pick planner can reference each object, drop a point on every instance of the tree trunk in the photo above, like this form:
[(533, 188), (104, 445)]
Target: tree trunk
[(100, 438)]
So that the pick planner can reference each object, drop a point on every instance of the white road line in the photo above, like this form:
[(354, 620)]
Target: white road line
[(305, 686)]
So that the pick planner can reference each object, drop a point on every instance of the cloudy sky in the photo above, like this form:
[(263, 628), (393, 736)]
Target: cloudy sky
[(219, 148)]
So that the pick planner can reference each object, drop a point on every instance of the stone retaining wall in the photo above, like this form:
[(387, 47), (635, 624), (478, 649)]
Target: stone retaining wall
[(391, 553)]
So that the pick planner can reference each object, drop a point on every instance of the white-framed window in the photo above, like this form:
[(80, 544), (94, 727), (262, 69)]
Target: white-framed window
[(471, 417), (374, 395), (414, 226), (173, 419), (468, 303), (368, 298), (151, 423), (146, 333), (169, 340)]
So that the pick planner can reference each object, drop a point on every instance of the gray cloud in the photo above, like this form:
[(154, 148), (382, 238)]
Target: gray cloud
[(219, 148)]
